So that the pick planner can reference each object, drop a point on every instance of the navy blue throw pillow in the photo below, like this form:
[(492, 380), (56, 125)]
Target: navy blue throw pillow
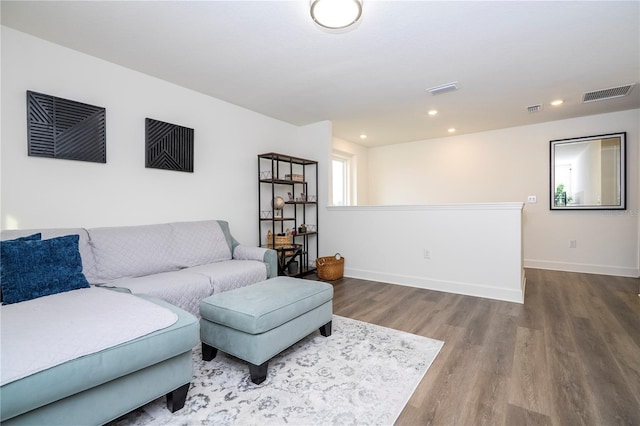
[(33, 237), (32, 268)]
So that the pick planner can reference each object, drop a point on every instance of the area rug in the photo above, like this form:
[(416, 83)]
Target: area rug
[(361, 374)]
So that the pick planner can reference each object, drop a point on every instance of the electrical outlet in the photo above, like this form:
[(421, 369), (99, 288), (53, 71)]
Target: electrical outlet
[(531, 199), (427, 254), (572, 243)]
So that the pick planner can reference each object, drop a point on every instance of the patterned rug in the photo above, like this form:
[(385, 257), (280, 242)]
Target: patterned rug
[(361, 374)]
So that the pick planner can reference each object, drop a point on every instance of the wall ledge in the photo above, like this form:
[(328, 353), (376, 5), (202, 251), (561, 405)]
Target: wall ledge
[(432, 207)]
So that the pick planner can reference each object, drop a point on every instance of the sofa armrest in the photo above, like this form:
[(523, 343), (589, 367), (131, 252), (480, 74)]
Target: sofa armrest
[(268, 256)]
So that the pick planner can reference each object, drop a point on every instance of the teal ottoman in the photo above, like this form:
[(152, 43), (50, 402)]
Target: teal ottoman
[(257, 322)]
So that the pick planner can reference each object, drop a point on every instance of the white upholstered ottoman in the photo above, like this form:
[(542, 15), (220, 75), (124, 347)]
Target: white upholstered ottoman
[(257, 322)]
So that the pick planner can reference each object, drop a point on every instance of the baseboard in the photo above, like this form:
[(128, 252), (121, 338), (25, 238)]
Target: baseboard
[(468, 289), (618, 271)]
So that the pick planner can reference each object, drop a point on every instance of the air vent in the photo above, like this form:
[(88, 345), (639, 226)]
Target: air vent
[(534, 108), (444, 88), (610, 93)]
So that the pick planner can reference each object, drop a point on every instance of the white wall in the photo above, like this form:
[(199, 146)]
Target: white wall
[(501, 166), (508, 165), (43, 192), (360, 169)]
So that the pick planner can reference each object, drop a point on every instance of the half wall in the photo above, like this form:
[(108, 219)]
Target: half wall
[(471, 249)]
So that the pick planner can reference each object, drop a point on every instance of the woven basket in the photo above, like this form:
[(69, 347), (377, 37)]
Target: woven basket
[(281, 241), (330, 268)]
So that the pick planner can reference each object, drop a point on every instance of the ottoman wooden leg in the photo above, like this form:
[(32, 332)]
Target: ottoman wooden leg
[(208, 352), (325, 330), (177, 398), (258, 372)]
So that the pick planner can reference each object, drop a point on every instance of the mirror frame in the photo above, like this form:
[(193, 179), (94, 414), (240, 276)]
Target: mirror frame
[(622, 170)]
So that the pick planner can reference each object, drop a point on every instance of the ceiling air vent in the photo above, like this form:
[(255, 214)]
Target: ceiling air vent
[(610, 93), (444, 88), (534, 108)]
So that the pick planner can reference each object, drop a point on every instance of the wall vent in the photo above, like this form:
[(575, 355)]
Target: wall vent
[(610, 93), (444, 88), (534, 108)]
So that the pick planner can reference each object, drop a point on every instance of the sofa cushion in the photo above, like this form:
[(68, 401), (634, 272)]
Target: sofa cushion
[(231, 242), (71, 325), (198, 243), (92, 370), (183, 288), (36, 268), (132, 251), (88, 261), (232, 274)]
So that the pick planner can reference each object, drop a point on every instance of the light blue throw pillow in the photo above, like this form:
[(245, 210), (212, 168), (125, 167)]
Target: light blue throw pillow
[(32, 268)]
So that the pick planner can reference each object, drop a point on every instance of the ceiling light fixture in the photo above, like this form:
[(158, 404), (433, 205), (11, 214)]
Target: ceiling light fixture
[(451, 130), (336, 14), (432, 112), (363, 136), (557, 102)]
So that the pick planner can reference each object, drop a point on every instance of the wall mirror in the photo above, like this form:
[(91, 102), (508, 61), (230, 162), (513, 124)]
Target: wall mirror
[(589, 173)]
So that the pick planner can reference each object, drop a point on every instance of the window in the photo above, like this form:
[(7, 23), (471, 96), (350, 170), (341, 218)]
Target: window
[(340, 181)]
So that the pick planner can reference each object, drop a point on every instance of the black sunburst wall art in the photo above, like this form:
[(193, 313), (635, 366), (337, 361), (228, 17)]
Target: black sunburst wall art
[(70, 130), (168, 146)]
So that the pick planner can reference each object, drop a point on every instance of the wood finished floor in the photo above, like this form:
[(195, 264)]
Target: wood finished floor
[(569, 356)]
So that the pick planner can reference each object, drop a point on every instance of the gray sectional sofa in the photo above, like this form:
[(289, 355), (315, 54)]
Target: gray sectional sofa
[(173, 265), (181, 262)]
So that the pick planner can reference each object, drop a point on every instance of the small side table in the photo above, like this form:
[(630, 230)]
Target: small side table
[(286, 255)]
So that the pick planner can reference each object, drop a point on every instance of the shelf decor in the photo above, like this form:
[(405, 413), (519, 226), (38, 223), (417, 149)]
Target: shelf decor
[(296, 176), (65, 129), (168, 146)]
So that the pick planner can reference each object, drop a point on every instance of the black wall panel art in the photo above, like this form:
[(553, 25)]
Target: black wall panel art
[(60, 128), (169, 146)]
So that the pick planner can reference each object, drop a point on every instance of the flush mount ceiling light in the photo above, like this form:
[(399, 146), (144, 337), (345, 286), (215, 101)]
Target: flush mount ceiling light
[(336, 14), (557, 102)]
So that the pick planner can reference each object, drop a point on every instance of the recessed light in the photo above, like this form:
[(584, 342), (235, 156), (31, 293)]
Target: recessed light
[(451, 130), (557, 102), (433, 112), (363, 136)]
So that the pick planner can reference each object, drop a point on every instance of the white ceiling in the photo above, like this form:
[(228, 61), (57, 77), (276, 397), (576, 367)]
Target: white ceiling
[(268, 56)]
